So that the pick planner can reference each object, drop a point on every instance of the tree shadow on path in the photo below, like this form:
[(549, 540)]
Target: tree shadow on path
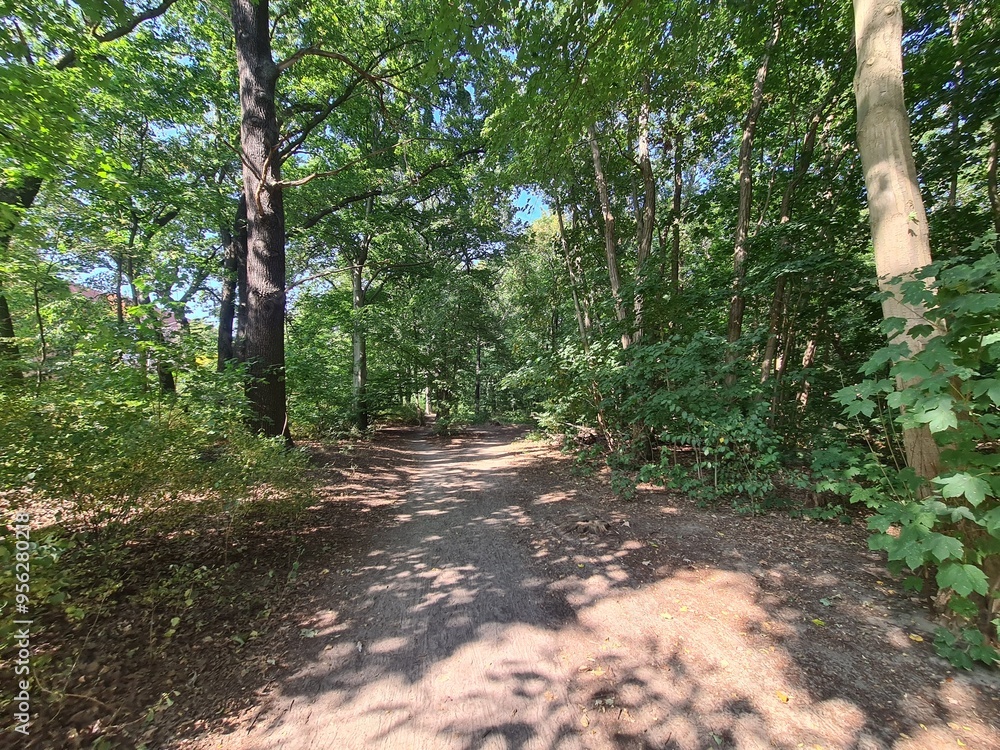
[(474, 616)]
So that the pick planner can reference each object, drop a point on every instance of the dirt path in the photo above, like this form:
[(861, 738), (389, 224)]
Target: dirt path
[(477, 616)]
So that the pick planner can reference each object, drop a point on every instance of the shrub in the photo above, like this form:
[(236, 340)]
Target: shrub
[(952, 527)]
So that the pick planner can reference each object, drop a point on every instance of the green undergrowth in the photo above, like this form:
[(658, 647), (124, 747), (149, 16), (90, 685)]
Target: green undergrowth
[(106, 484)]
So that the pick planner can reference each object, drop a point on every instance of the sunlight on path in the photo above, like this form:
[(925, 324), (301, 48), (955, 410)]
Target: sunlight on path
[(460, 638)]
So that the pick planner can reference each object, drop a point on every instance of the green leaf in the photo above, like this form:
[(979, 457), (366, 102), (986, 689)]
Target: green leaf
[(972, 488), (963, 607), (941, 419), (943, 547), (963, 579), (991, 520), (960, 512)]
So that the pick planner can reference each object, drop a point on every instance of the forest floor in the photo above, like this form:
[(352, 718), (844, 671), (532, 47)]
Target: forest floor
[(480, 591)]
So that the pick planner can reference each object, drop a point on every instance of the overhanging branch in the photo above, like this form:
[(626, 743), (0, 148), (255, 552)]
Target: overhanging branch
[(118, 32)]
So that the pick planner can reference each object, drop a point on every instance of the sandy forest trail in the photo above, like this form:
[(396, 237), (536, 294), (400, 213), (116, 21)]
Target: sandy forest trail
[(476, 615)]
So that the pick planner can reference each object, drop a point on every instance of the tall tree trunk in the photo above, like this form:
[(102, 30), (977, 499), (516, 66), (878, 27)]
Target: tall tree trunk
[(775, 323), (895, 206), (265, 322), (955, 105), (802, 166), (234, 244), (786, 347), (610, 241), (808, 359), (737, 303), (239, 341), (646, 220), (479, 374), (19, 199), (10, 353), (675, 218), (575, 284), (991, 177), (359, 339)]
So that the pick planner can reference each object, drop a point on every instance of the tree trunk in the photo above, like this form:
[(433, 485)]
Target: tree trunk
[(575, 285), (802, 165), (359, 339), (19, 199), (956, 162), (786, 347), (610, 243), (774, 328), (737, 303), (991, 177), (808, 360), (479, 374), (895, 206), (10, 353), (239, 341), (265, 302), (359, 342), (234, 243), (646, 220), (675, 219)]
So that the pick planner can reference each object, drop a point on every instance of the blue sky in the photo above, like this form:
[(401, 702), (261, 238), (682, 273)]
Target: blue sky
[(529, 205)]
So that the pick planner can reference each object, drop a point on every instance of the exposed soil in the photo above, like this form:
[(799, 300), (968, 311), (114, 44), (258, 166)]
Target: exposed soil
[(478, 592)]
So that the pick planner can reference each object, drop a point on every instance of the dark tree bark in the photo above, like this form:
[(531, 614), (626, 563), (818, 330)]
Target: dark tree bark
[(802, 165), (991, 177), (239, 342), (675, 250), (737, 304), (10, 353), (234, 244), (19, 198), (479, 375), (359, 341), (610, 240), (265, 268), (359, 338)]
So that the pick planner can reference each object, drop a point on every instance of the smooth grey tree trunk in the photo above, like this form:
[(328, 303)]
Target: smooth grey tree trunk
[(895, 205)]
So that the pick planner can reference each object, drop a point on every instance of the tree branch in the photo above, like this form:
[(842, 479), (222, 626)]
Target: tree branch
[(118, 32), (306, 180), (375, 192), (322, 275), (367, 75), (293, 141)]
